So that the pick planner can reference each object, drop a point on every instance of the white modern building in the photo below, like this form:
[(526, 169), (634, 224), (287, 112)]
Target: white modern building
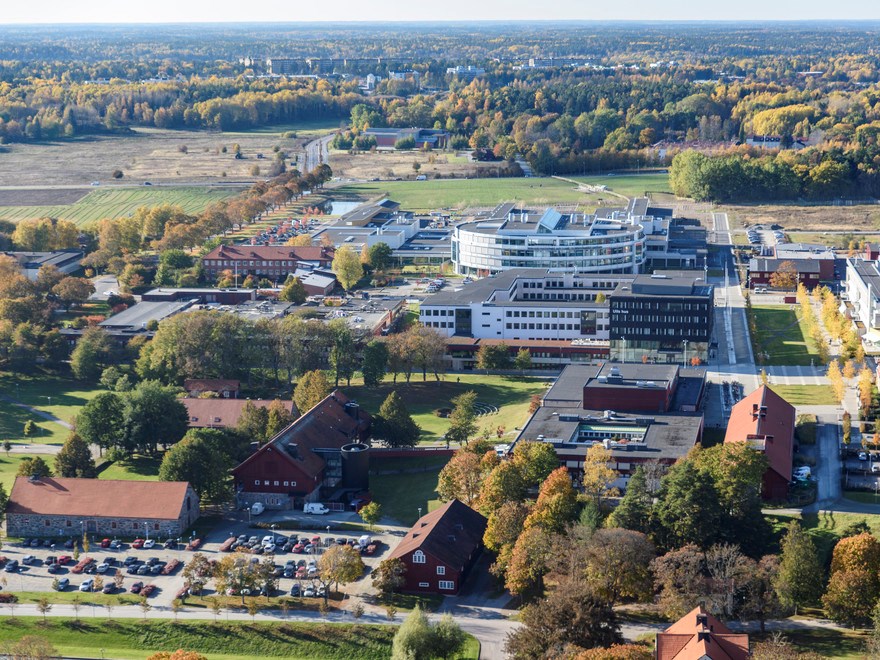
[(561, 242), (863, 296), (526, 304)]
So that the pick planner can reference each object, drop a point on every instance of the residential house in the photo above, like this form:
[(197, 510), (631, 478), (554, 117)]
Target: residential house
[(766, 422), (227, 389), (440, 550), (223, 413), (700, 636)]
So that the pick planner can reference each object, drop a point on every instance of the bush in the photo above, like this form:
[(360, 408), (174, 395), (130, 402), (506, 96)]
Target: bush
[(404, 144), (117, 174), (8, 598)]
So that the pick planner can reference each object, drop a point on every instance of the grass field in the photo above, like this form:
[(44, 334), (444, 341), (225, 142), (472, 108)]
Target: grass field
[(836, 240), (137, 468), (828, 643), (464, 193), (402, 495), (301, 128), (133, 638), (117, 202), (630, 185), (57, 396), (510, 394), (86, 599), (9, 466), (782, 335), (825, 527), (806, 395)]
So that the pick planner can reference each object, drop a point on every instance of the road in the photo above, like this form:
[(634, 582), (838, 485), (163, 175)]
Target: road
[(104, 284), (315, 153)]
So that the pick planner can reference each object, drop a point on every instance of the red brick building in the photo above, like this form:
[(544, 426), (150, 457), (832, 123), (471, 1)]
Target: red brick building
[(222, 413), (810, 272), (441, 549), (766, 421), (700, 636), (308, 455), (274, 262)]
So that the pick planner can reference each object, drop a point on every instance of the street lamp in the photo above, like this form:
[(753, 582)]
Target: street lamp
[(684, 355), (623, 357), (272, 527), (420, 512), (147, 530)]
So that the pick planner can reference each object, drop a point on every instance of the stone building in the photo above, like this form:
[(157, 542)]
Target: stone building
[(61, 507)]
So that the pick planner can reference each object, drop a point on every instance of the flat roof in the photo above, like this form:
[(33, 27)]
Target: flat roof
[(569, 386), (139, 315), (680, 284), (867, 272)]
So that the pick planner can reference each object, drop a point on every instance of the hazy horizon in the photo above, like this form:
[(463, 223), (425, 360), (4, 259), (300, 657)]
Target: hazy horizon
[(96, 12)]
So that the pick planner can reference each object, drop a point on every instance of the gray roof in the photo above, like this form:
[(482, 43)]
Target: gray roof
[(803, 265), (868, 273), (681, 284), (569, 386), (482, 290), (667, 436), (137, 316)]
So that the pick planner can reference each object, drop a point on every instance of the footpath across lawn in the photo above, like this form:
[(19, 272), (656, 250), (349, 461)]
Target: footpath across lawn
[(510, 395)]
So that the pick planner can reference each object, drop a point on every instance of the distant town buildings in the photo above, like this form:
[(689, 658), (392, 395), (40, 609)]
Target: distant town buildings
[(465, 72), (430, 138), (274, 262)]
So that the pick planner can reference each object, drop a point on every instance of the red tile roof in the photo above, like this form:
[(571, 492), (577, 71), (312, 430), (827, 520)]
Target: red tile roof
[(329, 425), (698, 636), (766, 421), (222, 413), (93, 498), (450, 534), (316, 253)]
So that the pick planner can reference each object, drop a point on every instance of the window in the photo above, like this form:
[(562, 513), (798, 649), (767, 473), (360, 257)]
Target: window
[(441, 570), (113, 525), (293, 483), (286, 483), (276, 483), (46, 522), (424, 584), (68, 523), (156, 526), (418, 557), (446, 584), (256, 482)]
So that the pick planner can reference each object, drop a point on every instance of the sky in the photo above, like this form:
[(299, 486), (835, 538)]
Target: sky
[(187, 11)]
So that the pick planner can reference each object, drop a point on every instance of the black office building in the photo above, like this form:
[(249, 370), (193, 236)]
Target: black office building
[(662, 318)]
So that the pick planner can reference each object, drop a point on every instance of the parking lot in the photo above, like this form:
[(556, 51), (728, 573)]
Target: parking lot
[(862, 469), (120, 566)]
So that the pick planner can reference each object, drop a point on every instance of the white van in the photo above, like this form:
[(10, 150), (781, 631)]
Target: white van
[(364, 541), (315, 508), (257, 508)]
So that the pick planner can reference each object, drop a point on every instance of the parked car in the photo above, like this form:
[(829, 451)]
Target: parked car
[(105, 543), (295, 590), (11, 566), (299, 547), (102, 567), (129, 561), (315, 508), (115, 544), (863, 456), (64, 560), (309, 592), (51, 559), (143, 569), (156, 569), (152, 561), (149, 544), (170, 544), (171, 566), (136, 587), (53, 568), (109, 588), (133, 569), (87, 584), (148, 590), (137, 544), (62, 584), (28, 559)]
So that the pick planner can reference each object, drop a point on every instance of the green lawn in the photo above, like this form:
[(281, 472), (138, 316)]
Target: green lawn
[(134, 638), (60, 397), (806, 395), (116, 202), (825, 527), (630, 185), (301, 128), (9, 466), (463, 193), (87, 599), (782, 335), (137, 468), (401, 495), (862, 496), (828, 643), (510, 394), (839, 241)]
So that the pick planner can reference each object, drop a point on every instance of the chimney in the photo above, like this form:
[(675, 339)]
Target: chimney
[(704, 637)]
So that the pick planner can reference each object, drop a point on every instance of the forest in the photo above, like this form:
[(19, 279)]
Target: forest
[(612, 96)]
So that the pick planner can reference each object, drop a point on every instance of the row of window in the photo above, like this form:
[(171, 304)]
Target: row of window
[(549, 315), (632, 319), (47, 522), (557, 296), (555, 326), (669, 332), (442, 584), (244, 262), (437, 312), (266, 482), (439, 324), (664, 306)]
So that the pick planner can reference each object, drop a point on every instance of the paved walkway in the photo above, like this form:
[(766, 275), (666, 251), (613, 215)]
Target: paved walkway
[(39, 413)]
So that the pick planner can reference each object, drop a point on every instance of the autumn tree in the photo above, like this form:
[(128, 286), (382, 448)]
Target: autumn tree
[(785, 277), (310, 390), (389, 576), (341, 564), (617, 564), (371, 513), (597, 476), (523, 360), (503, 529), (571, 615), (461, 478), (179, 654), (535, 460), (854, 587), (347, 266), (529, 562), (75, 459), (503, 484), (294, 291), (557, 503)]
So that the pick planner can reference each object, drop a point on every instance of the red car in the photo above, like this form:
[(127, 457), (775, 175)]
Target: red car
[(137, 543), (299, 547), (148, 590), (105, 543), (64, 560), (136, 587)]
